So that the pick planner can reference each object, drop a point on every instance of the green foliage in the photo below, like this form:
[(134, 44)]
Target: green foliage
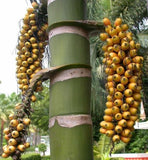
[(98, 9), (42, 147), (40, 116), (7, 104), (138, 143), (6, 158), (31, 156), (28, 156), (103, 148), (45, 157), (143, 36), (119, 148), (31, 149), (132, 12), (93, 11), (98, 92)]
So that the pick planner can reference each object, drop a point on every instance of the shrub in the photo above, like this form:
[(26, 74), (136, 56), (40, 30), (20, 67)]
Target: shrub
[(5, 158), (139, 141), (31, 156), (28, 156), (42, 148), (119, 148), (97, 157), (31, 149), (45, 157)]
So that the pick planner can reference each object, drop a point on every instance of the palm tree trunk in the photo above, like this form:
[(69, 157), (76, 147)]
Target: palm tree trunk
[(1, 142), (70, 122)]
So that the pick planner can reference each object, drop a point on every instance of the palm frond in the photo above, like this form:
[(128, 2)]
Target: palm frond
[(98, 9), (3, 116), (132, 12), (103, 145)]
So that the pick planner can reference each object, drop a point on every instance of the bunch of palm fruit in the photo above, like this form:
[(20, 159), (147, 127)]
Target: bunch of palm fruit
[(16, 133), (31, 46), (123, 68)]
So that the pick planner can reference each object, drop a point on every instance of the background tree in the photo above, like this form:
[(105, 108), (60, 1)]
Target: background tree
[(42, 148)]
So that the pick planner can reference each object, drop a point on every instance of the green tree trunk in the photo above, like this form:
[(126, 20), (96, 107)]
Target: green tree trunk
[(70, 88)]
